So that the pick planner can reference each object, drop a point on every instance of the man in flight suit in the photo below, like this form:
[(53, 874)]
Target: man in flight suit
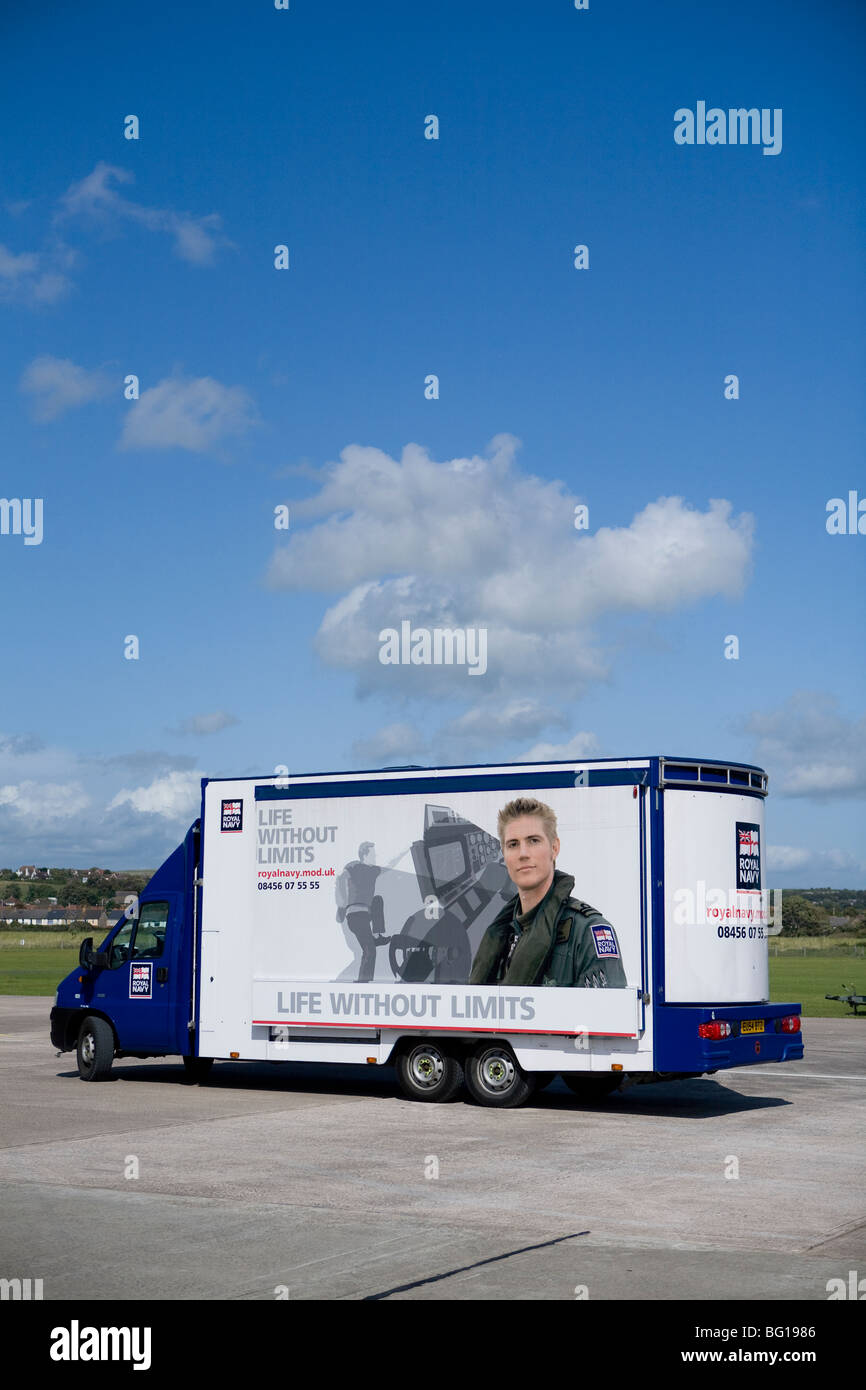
[(543, 936), (360, 907)]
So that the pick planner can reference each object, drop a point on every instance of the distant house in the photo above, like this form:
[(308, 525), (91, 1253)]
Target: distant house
[(44, 915), (27, 871)]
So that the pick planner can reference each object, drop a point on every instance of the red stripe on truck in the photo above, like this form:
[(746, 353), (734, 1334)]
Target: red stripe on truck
[(431, 1028)]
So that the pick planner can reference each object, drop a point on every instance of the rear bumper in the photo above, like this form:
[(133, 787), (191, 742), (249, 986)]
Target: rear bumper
[(678, 1047)]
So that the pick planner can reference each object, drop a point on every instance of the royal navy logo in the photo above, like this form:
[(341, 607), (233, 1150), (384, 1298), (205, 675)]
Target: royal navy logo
[(605, 941), (748, 855)]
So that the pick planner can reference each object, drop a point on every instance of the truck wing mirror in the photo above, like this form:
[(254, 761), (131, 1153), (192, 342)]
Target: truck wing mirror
[(90, 959)]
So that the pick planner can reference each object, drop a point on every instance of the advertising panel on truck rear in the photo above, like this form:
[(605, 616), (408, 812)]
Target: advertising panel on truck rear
[(716, 904)]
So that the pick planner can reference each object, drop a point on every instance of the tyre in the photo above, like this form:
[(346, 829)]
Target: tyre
[(590, 1088), (493, 1077), (95, 1050), (426, 1071), (197, 1069)]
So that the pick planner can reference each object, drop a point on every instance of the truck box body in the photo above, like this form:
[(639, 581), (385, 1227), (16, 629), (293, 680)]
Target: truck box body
[(337, 917)]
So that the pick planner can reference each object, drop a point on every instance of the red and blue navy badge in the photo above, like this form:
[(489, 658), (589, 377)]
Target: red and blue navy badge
[(141, 980), (605, 940), (748, 856), (232, 816)]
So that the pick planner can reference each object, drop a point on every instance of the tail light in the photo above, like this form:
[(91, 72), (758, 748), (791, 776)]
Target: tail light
[(718, 1029)]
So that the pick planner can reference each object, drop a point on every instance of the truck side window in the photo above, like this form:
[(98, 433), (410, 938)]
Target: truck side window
[(150, 937), (119, 950), (142, 939)]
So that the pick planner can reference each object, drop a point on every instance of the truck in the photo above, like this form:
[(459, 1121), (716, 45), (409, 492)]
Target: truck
[(335, 918)]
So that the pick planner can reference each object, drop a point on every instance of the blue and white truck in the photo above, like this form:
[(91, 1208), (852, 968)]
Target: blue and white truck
[(336, 917)]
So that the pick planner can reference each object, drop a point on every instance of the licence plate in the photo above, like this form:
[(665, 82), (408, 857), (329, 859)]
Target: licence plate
[(752, 1025)]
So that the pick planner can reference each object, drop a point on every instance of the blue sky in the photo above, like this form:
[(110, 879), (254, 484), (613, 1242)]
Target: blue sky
[(306, 387)]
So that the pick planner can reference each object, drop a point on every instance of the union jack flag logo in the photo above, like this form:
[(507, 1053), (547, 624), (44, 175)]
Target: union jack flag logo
[(605, 941), (748, 857)]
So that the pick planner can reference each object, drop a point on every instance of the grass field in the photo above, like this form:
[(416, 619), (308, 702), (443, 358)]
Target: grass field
[(827, 945), (802, 970), (799, 979), (38, 967)]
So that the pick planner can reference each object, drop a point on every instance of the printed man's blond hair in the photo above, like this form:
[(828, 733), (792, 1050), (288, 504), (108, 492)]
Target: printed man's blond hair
[(527, 806)]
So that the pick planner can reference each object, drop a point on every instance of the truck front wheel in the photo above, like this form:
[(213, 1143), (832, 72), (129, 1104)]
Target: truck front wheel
[(95, 1051), (493, 1077), (426, 1071)]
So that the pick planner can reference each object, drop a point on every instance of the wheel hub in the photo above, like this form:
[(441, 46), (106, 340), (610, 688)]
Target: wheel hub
[(87, 1049), (427, 1068), (497, 1071)]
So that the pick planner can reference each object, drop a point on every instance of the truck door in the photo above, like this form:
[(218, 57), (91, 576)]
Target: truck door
[(138, 990)]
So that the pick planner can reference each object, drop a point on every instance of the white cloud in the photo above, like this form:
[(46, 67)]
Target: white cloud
[(469, 736), (503, 719), (781, 858), (473, 543), (18, 745), (175, 797), (24, 758), (44, 802), (206, 723), (54, 804), (810, 748), (196, 239), (187, 414), (395, 743), (348, 636), (30, 278), (580, 745), (793, 858), (490, 723), (92, 194), (39, 278), (140, 760), (57, 385)]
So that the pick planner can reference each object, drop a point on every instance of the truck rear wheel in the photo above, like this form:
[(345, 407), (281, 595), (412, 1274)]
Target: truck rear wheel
[(493, 1077), (426, 1071), (95, 1050)]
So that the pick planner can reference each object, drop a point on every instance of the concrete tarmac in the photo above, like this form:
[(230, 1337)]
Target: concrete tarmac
[(312, 1182)]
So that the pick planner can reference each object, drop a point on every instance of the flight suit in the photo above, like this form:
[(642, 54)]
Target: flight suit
[(562, 941), (357, 883)]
